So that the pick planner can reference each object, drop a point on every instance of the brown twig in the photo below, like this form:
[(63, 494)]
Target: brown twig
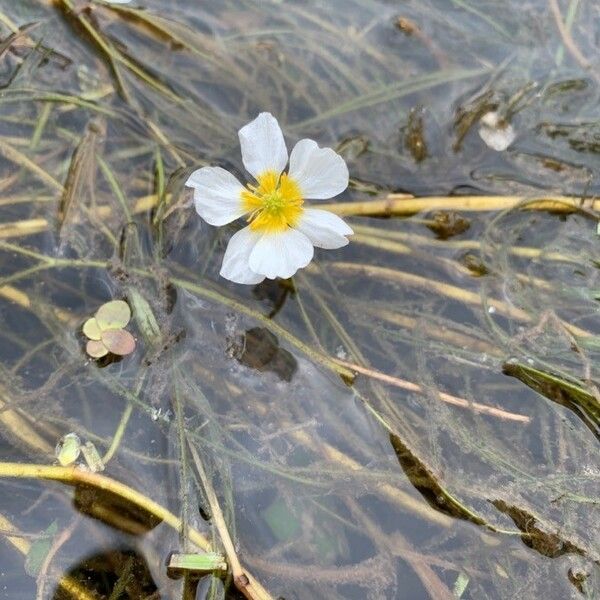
[(243, 581), (448, 398)]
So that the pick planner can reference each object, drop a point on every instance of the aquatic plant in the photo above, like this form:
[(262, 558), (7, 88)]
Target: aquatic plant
[(412, 416), (105, 331), (282, 232)]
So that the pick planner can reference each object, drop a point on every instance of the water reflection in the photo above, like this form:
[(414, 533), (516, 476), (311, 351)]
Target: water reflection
[(118, 573), (114, 511)]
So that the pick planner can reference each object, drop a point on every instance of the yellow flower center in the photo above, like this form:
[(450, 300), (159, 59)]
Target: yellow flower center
[(274, 204)]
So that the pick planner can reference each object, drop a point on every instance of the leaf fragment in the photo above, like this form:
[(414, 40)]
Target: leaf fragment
[(205, 562), (460, 585)]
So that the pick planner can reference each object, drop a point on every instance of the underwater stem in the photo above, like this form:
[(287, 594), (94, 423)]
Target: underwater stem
[(68, 585), (75, 476)]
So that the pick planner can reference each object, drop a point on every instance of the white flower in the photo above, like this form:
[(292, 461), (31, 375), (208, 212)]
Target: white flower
[(282, 230)]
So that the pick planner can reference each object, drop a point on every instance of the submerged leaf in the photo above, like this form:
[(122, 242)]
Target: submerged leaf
[(118, 341), (119, 513), (574, 395), (549, 544), (428, 486), (92, 457), (80, 181), (91, 330), (113, 315), (96, 349), (282, 521), (39, 550), (144, 316), (460, 585)]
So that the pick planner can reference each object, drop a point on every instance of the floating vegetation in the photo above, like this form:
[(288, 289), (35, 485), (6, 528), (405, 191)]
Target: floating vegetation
[(68, 449), (105, 331), (411, 415)]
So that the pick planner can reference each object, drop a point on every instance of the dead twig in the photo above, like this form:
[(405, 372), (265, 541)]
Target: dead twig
[(243, 581), (448, 398)]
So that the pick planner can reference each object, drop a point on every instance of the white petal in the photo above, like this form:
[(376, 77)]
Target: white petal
[(320, 172), (323, 228), (235, 262), (217, 195), (281, 254), (263, 146)]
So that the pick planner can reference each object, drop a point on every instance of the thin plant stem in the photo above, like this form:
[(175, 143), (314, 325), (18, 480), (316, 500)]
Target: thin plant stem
[(243, 581), (74, 476)]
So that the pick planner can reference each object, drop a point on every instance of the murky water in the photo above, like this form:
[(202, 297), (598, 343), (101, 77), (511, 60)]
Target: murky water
[(414, 416)]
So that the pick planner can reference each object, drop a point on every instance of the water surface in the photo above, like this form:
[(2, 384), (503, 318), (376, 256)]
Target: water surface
[(462, 461)]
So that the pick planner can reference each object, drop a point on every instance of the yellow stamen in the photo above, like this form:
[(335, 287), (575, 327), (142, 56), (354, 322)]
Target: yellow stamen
[(274, 204)]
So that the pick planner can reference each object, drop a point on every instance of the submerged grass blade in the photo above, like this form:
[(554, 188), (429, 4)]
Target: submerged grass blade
[(20, 159), (390, 92), (80, 183), (575, 396)]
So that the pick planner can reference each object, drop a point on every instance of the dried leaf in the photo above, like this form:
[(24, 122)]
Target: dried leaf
[(113, 315), (118, 341), (91, 329)]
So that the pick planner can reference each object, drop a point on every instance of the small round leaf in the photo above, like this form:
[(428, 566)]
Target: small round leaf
[(91, 329), (68, 449), (118, 341), (113, 315), (96, 349)]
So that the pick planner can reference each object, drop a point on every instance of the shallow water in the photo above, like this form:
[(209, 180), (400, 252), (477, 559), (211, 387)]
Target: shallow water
[(462, 461)]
